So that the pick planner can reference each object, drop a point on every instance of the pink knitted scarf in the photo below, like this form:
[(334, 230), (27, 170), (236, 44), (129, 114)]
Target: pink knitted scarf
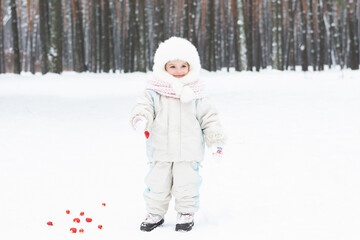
[(164, 88)]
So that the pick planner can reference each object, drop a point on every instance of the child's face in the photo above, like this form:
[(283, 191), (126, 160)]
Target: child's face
[(177, 68)]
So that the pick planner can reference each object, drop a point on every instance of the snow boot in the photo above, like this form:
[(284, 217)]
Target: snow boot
[(185, 222), (151, 222)]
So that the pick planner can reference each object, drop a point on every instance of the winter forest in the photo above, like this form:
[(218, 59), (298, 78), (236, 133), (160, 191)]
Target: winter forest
[(110, 35)]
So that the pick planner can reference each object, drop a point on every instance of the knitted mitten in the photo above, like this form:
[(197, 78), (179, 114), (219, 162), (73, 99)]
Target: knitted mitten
[(139, 123), (217, 151)]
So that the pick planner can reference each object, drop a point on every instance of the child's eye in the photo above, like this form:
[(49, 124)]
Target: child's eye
[(183, 66), (172, 66)]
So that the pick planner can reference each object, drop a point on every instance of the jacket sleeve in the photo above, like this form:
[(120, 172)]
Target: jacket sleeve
[(144, 107), (209, 121)]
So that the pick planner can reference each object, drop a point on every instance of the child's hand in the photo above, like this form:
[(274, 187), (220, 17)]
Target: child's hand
[(139, 123), (217, 151)]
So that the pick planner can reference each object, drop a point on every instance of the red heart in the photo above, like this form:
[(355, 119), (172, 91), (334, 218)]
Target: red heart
[(77, 220), (147, 134), (50, 223), (73, 230), (82, 214), (100, 226), (88, 220)]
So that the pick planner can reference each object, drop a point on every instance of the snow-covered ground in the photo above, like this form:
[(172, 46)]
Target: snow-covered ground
[(290, 168)]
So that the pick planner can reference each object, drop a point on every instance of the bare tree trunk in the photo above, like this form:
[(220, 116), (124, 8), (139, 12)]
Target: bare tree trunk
[(125, 46), (225, 36), (256, 35), (44, 35), (321, 37), (79, 46), (212, 36), (15, 35), (141, 28), (93, 45), (99, 42), (30, 17), (55, 54), (304, 33), (313, 27), (189, 25), (277, 39), (118, 37), (204, 6), (291, 36), (67, 53), (353, 36), (159, 29), (2, 52), (262, 34), (248, 32), (330, 29), (105, 36), (132, 45), (237, 59)]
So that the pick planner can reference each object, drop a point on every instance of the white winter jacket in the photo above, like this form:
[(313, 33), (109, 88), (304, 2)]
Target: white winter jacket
[(178, 130)]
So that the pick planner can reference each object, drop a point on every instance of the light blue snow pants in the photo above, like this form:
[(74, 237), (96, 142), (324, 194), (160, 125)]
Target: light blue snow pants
[(180, 179)]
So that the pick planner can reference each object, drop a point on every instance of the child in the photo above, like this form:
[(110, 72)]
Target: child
[(177, 119)]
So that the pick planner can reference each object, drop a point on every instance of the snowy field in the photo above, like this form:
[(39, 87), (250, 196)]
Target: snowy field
[(291, 168)]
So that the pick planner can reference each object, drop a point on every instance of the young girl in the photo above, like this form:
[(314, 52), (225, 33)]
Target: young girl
[(178, 119)]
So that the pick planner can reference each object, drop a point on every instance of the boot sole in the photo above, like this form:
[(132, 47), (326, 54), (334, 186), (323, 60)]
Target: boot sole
[(149, 227), (184, 227)]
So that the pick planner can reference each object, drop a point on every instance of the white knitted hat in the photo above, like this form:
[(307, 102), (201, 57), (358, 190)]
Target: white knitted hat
[(176, 48)]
